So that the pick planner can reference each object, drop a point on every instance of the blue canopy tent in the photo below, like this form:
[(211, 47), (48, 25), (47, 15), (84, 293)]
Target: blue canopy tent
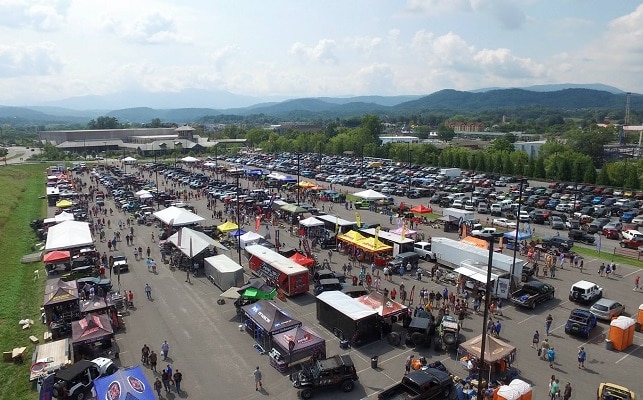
[(330, 191), (510, 237), (128, 383), (288, 179), (256, 172), (237, 232)]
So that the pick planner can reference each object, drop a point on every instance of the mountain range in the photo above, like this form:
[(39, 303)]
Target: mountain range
[(564, 97)]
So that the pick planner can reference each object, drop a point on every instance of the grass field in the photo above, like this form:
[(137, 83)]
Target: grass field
[(607, 256), (20, 296)]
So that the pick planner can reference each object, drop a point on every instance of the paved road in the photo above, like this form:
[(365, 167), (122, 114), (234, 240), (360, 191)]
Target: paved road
[(218, 360)]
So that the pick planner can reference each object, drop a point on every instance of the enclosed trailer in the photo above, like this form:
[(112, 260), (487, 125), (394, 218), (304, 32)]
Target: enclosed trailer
[(451, 253), (280, 271), (224, 272), (462, 215), (347, 318)]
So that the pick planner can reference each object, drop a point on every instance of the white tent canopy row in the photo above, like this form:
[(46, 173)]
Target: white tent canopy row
[(68, 235), (176, 216), (310, 222), (192, 243), (370, 194), (63, 216)]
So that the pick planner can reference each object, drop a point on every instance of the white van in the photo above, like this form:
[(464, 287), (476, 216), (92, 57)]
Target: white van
[(496, 209)]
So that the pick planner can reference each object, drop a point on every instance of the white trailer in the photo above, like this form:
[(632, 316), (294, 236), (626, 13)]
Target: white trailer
[(450, 172), (459, 214), (451, 253), (224, 272)]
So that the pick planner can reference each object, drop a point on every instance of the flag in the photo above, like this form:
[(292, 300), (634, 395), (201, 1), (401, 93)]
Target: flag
[(257, 223), (277, 244), (191, 255), (358, 219), (404, 228), (178, 242), (377, 233)]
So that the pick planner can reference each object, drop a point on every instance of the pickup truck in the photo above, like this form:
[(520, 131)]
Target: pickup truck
[(631, 243), (532, 293), (428, 384)]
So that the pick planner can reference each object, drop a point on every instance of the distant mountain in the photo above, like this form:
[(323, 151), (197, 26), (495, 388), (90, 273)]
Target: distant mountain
[(452, 100), (559, 86), (388, 101), (146, 114)]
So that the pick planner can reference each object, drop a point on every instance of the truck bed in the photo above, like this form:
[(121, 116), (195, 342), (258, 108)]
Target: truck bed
[(398, 392)]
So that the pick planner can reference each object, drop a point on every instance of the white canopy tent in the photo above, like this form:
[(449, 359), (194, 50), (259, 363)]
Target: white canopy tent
[(192, 243), (249, 238), (189, 159), (311, 221), (209, 164), (370, 194), (68, 235), (62, 217), (129, 160), (141, 193), (176, 216)]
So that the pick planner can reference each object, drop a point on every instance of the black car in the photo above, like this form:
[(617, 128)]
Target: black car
[(105, 284), (578, 235), (336, 371), (580, 322), (559, 242)]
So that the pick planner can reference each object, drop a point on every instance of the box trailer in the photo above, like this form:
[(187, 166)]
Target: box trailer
[(283, 272), (450, 172), (464, 215), (451, 253), (347, 318), (224, 272)]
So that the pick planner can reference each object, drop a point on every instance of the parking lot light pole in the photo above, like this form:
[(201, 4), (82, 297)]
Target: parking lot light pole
[(238, 220), (490, 239), (410, 169), (297, 188), (521, 182)]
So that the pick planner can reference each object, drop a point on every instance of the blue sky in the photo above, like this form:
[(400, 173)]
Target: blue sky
[(53, 49)]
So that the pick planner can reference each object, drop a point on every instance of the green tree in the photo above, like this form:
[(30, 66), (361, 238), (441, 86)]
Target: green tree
[(104, 122), (539, 168), (501, 144), (632, 178), (445, 133), (590, 174), (603, 177), (155, 123)]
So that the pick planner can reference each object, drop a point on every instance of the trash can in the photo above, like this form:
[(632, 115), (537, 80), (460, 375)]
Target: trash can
[(374, 362), (609, 345)]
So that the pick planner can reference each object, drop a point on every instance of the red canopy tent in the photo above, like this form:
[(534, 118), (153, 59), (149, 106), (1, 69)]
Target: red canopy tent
[(56, 255), (384, 306), (302, 260), (420, 209)]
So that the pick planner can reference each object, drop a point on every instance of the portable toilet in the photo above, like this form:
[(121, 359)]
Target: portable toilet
[(506, 392), (522, 387), (621, 332), (639, 319)]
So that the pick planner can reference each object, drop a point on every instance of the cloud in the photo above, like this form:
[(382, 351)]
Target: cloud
[(502, 63), (28, 60), (154, 28), (322, 52), (365, 44), (505, 12), (436, 7), (374, 79), (38, 15), (222, 56)]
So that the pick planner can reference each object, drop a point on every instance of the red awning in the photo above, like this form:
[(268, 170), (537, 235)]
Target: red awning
[(420, 209), (56, 255), (302, 260)]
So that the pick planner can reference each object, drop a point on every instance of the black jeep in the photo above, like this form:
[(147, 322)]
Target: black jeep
[(336, 371), (580, 322)]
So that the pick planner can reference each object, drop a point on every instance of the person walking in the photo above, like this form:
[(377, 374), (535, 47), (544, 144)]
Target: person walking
[(148, 251), (636, 282), (165, 380), (158, 386), (567, 393), (148, 291), (165, 349), (551, 357), (554, 389), (582, 356), (535, 340), (178, 378), (548, 322), (407, 365), (544, 348), (145, 354), (153, 360), (257, 376)]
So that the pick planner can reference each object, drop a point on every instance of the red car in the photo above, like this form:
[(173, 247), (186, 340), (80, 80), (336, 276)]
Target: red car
[(611, 233)]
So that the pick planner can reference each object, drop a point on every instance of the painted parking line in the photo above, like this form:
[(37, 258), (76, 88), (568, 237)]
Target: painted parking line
[(631, 273), (538, 315), (628, 354)]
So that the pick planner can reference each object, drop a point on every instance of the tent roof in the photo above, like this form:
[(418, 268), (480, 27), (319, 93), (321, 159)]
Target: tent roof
[(95, 304), (129, 159), (192, 242), (398, 231), (223, 263), (189, 159), (302, 259), (421, 209), (64, 216), (311, 221), (346, 305), (56, 255), (384, 306), (60, 292), (351, 236), (227, 227), (270, 317), (303, 336), (293, 208), (132, 383), (250, 236), (176, 216), (449, 218), (521, 235), (370, 194), (372, 245), (495, 349), (91, 329), (68, 235)]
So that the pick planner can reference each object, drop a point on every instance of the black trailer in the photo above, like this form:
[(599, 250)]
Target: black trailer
[(347, 318)]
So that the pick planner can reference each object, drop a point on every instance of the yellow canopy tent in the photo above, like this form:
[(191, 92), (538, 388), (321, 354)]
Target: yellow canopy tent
[(351, 237), (64, 204), (306, 184), (227, 227), (373, 245)]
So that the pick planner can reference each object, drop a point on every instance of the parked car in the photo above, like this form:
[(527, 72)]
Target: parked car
[(611, 234), (557, 223), (607, 309), (630, 234), (580, 322), (585, 292), (560, 242), (504, 222), (578, 235)]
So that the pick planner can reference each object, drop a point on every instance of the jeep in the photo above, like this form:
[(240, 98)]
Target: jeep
[(119, 263), (77, 381), (580, 322), (585, 292), (448, 334), (336, 371), (556, 241)]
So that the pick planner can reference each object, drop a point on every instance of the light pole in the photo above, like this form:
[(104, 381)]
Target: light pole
[(105, 143), (297, 188), (156, 173), (513, 264), (216, 162), (410, 174), (238, 220), (490, 239)]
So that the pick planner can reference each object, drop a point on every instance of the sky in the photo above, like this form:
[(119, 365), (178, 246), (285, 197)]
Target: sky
[(54, 49)]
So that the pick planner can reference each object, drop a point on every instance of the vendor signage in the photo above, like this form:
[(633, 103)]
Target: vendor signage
[(264, 269)]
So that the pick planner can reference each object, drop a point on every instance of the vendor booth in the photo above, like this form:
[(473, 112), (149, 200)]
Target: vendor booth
[(177, 216), (393, 239), (68, 235), (278, 270), (621, 332), (61, 306), (263, 320), (302, 260), (249, 238), (335, 224), (227, 227), (295, 345), (312, 228), (91, 336), (128, 383), (498, 358), (639, 319), (224, 272), (347, 318)]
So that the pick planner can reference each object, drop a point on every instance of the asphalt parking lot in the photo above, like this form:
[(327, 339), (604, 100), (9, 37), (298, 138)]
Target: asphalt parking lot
[(217, 359)]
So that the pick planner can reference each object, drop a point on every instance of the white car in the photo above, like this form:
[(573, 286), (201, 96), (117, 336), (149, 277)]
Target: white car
[(631, 234), (638, 220), (504, 222)]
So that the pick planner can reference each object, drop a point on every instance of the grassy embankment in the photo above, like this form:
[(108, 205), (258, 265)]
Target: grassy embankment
[(20, 296)]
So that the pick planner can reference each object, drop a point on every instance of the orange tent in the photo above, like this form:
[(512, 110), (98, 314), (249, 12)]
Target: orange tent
[(302, 260), (420, 209)]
